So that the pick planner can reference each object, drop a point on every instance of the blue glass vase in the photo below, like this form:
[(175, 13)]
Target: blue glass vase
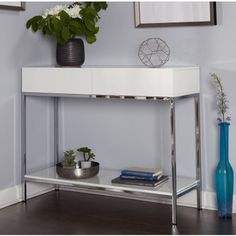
[(224, 175)]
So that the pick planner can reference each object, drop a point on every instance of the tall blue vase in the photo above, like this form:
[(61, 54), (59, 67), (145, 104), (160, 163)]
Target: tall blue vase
[(224, 175)]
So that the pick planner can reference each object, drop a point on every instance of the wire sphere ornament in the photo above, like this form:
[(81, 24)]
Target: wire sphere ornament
[(154, 52)]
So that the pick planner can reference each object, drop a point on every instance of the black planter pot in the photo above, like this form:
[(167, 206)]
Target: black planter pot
[(71, 53)]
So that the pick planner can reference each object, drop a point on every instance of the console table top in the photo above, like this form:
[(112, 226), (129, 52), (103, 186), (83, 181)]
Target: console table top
[(112, 81)]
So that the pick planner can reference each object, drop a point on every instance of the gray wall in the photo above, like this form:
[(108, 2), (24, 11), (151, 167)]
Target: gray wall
[(120, 132), (17, 48)]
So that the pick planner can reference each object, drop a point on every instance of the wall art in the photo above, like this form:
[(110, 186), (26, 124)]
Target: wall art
[(163, 14)]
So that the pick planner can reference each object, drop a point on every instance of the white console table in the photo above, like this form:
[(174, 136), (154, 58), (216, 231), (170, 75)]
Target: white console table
[(169, 84)]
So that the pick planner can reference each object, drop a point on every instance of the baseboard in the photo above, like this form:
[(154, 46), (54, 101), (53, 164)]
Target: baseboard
[(9, 196), (208, 200), (14, 195)]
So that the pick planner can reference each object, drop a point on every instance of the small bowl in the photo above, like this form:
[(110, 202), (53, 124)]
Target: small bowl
[(76, 172)]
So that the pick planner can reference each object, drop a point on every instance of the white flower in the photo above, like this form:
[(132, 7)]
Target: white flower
[(54, 11), (73, 12)]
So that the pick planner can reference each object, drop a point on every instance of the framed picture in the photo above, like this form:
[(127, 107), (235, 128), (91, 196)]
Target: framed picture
[(162, 14), (20, 6)]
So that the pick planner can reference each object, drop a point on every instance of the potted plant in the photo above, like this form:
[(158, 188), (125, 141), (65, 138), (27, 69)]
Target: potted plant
[(66, 168), (88, 155), (224, 175), (69, 168), (69, 159), (68, 23)]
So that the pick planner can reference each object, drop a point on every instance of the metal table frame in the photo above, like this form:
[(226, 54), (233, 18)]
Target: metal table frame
[(172, 104)]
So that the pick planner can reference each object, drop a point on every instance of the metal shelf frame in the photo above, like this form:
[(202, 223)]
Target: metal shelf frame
[(172, 116)]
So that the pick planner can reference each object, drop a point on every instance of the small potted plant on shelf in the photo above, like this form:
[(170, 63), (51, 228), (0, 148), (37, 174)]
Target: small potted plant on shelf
[(88, 155), (69, 24), (69, 159), (70, 169), (67, 168)]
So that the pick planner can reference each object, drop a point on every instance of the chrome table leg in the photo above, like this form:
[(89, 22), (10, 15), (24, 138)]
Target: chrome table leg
[(173, 160), (56, 134), (23, 146), (198, 149)]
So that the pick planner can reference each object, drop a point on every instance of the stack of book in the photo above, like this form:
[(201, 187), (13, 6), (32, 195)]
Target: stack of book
[(141, 176)]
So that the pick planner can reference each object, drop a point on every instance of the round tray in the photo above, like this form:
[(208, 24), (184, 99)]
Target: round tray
[(77, 172)]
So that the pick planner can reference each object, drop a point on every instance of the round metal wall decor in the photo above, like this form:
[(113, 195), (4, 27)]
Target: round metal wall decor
[(154, 52)]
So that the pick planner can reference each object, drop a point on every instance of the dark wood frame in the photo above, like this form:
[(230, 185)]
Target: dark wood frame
[(138, 23), (16, 8)]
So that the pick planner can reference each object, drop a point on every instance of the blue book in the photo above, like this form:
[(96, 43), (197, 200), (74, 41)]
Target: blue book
[(153, 178), (140, 182), (142, 172)]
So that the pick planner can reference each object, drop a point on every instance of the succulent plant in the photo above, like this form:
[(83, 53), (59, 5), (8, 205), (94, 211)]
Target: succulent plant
[(69, 158), (91, 155), (87, 153)]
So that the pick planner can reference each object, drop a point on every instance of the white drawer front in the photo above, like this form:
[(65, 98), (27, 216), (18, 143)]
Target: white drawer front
[(57, 80), (132, 82)]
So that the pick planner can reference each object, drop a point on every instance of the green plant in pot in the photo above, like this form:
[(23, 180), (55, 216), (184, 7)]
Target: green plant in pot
[(69, 159), (88, 155), (71, 169), (68, 24)]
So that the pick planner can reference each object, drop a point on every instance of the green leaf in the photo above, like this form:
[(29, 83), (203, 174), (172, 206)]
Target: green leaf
[(77, 27), (65, 33), (96, 30), (44, 30), (89, 24), (82, 12), (103, 5), (33, 20), (36, 19), (97, 6), (41, 23), (49, 27), (91, 39), (56, 24), (84, 150), (65, 18), (76, 31), (34, 26), (28, 23), (75, 24), (91, 11), (47, 30), (100, 5)]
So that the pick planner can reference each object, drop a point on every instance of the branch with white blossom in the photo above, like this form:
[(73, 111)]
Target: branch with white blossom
[(222, 100)]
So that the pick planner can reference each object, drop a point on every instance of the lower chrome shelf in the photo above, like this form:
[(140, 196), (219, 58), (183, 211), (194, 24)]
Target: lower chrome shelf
[(103, 182)]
